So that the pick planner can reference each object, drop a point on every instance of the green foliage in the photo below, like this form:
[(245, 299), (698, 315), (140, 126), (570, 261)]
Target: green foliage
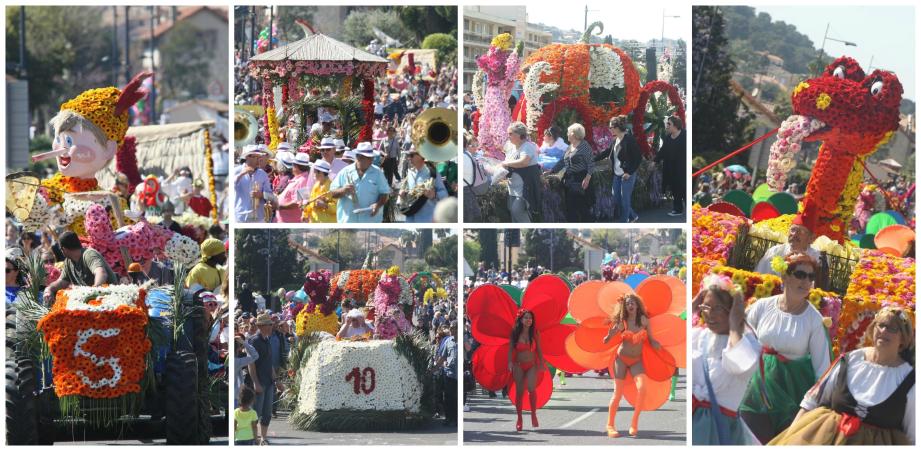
[(350, 111), (342, 246), (358, 27), (425, 20), (250, 263), (67, 50), (680, 70), (288, 30), (185, 60), (727, 124), (758, 33), (472, 252), (445, 44), (551, 248), (443, 254), (40, 143)]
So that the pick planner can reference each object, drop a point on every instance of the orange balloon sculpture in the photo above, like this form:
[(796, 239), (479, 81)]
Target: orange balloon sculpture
[(592, 305)]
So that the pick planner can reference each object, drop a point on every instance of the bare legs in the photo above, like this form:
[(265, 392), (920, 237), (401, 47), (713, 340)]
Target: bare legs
[(620, 377), (525, 380), (518, 376), (531, 377)]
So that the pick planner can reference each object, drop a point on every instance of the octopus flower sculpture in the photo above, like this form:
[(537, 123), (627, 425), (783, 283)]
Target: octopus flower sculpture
[(493, 311), (592, 305)]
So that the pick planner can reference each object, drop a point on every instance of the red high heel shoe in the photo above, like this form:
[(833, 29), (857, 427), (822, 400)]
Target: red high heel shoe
[(518, 424), (534, 419)]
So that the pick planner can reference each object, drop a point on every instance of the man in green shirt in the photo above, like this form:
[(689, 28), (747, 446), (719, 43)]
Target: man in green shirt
[(85, 267)]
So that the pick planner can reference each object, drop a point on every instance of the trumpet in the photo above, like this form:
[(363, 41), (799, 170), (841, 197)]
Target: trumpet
[(434, 134)]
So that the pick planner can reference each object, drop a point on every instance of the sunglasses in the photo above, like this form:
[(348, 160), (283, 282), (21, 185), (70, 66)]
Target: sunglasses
[(803, 275)]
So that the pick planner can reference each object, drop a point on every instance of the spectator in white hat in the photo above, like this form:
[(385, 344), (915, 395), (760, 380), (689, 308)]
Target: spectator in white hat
[(291, 199), (247, 177), (321, 207), (361, 188)]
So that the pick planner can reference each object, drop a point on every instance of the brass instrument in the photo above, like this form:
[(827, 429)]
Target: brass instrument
[(254, 201), (411, 201), (245, 128), (434, 134)]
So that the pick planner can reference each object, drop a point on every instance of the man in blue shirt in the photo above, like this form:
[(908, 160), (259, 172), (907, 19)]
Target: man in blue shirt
[(447, 359), (246, 176), (361, 188)]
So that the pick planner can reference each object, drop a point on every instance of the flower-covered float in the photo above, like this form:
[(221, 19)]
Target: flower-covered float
[(564, 84), (852, 114), (367, 382), (319, 314)]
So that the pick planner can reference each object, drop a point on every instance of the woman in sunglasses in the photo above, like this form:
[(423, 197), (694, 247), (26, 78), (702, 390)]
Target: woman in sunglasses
[(724, 357), (868, 396), (795, 349), (15, 279)]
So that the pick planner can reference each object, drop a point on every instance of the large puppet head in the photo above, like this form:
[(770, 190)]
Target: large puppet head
[(89, 128), (856, 108)]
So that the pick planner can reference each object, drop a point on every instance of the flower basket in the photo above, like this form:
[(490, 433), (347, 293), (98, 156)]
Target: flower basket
[(97, 340), (363, 386), (748, 249)]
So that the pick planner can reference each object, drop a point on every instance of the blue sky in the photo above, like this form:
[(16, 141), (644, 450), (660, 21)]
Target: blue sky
[(644, 22), (884, 33)]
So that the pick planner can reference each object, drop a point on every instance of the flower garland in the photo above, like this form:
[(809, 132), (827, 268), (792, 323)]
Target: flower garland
[(754, 285), (209, 168), (534, 90), (639, 114), (60, 184), (97, 340), (829, 305), (282, 71), (714, 234), (478, 88), (792, 132), (273, 128), (878, 280), (367, 105), (555, 107)]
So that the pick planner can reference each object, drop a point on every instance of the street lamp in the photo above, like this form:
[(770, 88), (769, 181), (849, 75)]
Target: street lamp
[(585, 22), (664, 16), (822, 49)]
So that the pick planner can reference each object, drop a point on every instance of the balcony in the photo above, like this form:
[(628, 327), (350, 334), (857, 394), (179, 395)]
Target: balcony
[(477, 38)]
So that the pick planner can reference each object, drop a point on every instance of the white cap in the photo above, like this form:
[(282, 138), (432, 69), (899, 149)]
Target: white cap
[(365, 149)]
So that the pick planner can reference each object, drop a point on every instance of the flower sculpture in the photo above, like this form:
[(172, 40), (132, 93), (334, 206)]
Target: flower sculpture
[(493, 312), (592, 306), (533, 90), (318, 315), (500, 64), (639, 114), (97, 340), (357, 285), (389, 321), (142, 240), (860, 113), (714, 234)]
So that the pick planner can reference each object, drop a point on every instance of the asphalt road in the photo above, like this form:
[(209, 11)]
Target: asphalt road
[(282, 433), (576, 415)]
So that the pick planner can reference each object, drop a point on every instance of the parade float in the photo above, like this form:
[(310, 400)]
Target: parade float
[(867, 269), (563, 84), (572, 324), (103, 359), (362, 383)]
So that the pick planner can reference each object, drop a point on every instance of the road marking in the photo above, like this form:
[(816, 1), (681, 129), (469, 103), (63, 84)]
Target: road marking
[(580, 418)]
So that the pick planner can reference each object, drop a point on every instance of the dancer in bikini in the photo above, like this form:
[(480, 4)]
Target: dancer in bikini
[(631, 321), (525, 360)]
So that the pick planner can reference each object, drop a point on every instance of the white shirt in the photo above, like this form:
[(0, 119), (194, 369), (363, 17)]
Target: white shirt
[(870, 384), (730, 369), (792, 336), (780, 250), (616, 150)]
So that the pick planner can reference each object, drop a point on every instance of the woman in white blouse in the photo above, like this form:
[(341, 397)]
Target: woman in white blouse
[(795, 350), (868, 396), (724, 358)]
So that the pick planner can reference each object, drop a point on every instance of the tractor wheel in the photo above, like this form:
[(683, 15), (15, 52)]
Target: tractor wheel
[(22, 410), (182, 400)]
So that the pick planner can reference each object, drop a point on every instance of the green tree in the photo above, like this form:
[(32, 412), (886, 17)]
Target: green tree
[(67, 52), (608, 238), (344, 247), (445, 44), (256, 251), (425, 20), (288, 29), (184, 62), (443, 254), (358, 28), (472, 252), (727, 123), (551, 248)]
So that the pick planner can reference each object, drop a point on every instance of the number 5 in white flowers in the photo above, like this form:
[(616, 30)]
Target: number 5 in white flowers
[(83, 336)]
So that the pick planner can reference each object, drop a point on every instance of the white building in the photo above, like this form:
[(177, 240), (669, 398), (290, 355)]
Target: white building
[(482, 23)]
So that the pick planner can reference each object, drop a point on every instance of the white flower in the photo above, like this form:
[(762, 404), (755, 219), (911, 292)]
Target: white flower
[(102, 299), (406, 294), (359, 376), (478, 86), (534, 90), (792, 132), (605, 68), (343, 279), (182, 249), (84, 336)]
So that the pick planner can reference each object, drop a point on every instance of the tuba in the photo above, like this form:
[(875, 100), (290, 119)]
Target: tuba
[(434, 134), (245, 128)]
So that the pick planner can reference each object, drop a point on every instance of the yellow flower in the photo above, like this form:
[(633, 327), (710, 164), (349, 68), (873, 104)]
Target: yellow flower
[(393, 271), (502, 41)]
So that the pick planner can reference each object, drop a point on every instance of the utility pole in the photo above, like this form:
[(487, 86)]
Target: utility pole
[(271, 21), (127, 47), (114, 46), (152, 108), (23, 61)]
